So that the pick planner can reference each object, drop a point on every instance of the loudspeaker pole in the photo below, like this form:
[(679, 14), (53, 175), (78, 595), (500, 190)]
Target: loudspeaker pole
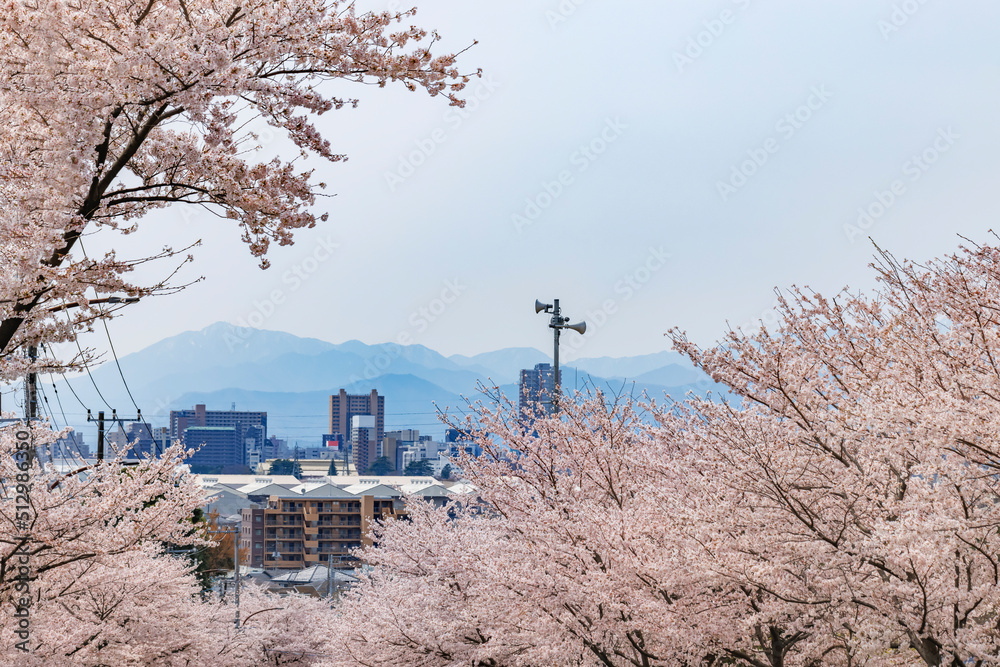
[(557, 324)]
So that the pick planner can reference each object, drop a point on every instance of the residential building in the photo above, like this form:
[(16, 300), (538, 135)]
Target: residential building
[(143, 440), (536, 390), (252, 536), (70, 447), (388, 448), (275, 448), (303, 529), (115, 440), (364, 441), (318, 523), (344, 407)]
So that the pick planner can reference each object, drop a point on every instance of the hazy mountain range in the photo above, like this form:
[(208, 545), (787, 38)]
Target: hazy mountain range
[(291, 378)]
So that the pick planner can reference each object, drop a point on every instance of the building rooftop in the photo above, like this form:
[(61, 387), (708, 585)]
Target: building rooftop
[(238, 481), (426, 490), (378, 490), (317, 574)]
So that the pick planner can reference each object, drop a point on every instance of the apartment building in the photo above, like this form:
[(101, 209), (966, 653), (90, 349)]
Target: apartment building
[(344, 407), (537, 388), (321, 526)]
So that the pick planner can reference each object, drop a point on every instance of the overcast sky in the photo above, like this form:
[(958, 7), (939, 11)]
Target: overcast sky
[(651, 164)]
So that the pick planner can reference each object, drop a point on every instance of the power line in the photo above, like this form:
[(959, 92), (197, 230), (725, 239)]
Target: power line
[(138, 412), (73, 435), (46, 407), (89, 374), (153, 448), (73, 391)]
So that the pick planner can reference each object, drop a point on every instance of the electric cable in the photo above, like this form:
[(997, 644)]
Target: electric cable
[(55, 390), (138, 411)]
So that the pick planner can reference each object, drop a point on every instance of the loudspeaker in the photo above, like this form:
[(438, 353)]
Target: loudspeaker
[(579, 327), (539, 306)]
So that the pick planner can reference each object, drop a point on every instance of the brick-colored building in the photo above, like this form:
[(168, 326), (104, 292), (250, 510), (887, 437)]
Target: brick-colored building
[(344, 406), (252, 536), (297, 530)]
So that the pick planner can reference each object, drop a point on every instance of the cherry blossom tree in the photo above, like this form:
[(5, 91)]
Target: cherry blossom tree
[(572, 556), (108, 111), (88, 560), (859, 474), (111, 109), (839, 507)]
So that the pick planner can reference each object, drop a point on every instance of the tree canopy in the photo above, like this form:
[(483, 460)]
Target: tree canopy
[(110, 110), (285, 467), (381, 466), (421, 467)]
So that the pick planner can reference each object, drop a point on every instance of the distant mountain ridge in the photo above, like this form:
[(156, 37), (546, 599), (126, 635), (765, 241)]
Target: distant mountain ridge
[(291, 378)]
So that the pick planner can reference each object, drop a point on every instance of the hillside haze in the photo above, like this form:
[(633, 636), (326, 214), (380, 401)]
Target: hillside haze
[(291, 378)]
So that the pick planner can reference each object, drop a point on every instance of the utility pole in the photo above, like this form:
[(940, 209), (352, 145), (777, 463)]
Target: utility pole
[(100, 436), (100, 433), (31, 388), (235, 532), (31, 399), (100, 428), (236, 548)]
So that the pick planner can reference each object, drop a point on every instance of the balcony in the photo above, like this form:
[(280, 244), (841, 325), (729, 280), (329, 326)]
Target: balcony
[(283, 521), (311, 530), (312, 544)]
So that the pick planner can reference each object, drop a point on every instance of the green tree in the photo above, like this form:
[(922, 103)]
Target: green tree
[(381, 466), (421, 468), (333, 468), (286, 467), (208, 561), (446, 471)]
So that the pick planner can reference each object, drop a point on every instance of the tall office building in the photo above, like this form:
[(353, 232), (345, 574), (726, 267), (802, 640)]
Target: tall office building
[(537, 386), (249, 430), (217, 447), (344, 407)]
